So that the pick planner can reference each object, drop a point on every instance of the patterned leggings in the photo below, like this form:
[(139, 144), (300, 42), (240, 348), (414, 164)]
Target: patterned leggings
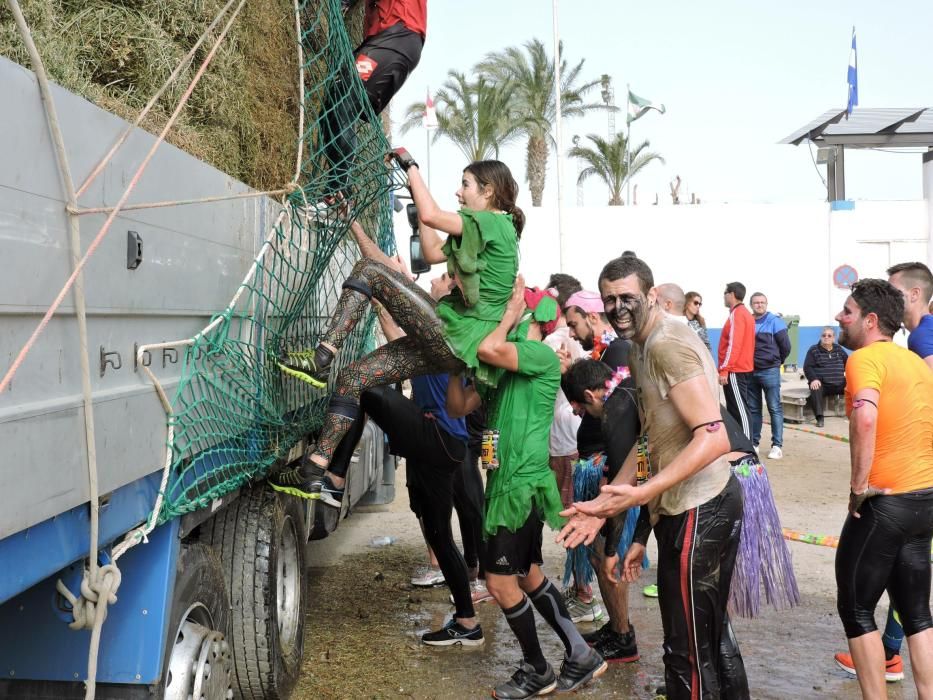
[(423, 350)]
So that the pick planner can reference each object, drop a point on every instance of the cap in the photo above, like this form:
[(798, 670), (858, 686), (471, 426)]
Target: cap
[(543, 306)]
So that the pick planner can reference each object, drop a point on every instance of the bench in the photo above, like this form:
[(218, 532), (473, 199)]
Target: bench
[(797, 407)]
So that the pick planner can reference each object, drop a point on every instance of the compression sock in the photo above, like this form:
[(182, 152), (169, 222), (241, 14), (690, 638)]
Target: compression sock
[(521, 619), (550, 605)]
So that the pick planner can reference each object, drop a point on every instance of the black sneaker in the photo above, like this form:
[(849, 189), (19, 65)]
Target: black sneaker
[(526, 683), (594, 637), (454, 634), (819, 421), (330, 494), (573, 674), (310, 366), (618, 648), (295, 482)]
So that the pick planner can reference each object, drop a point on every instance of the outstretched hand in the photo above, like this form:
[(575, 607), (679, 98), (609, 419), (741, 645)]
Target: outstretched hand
[(580, 528), (612, 500), (631, 565)]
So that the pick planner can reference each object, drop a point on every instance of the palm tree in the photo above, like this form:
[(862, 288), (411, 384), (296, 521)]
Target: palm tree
[(530, 72), (607, 161), (475, 116)]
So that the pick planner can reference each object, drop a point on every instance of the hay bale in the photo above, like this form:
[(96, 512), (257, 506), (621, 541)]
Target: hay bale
[(243, 116)]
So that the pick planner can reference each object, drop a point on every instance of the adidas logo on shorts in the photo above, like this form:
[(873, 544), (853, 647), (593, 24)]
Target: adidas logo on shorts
[(502, 561)]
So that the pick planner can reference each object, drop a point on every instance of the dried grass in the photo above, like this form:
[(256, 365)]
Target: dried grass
[(243, 116)]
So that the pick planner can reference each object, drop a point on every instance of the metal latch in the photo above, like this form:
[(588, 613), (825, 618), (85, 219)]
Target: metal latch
[(134, 250)]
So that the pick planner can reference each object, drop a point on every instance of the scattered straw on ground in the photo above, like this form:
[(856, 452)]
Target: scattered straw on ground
[(371, 590)]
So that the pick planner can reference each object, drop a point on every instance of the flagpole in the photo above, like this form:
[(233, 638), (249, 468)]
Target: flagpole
[(628, 147), (427, 133), (559, 141)]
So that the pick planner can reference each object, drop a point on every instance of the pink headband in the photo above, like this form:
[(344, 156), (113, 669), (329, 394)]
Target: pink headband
[(590, 302)]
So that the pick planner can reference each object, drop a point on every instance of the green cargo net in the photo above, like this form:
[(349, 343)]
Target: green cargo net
[(235, 413)]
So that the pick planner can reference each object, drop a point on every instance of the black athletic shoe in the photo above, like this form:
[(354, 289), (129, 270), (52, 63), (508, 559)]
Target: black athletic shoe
[(454, 634), (594, 637), (574, 674), (310, 366), (295, 482), (819, 421), (330, 494), (525, 683), (618, 648)]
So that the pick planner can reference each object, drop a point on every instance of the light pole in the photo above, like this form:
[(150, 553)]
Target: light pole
[(576, 142), (559, 140)]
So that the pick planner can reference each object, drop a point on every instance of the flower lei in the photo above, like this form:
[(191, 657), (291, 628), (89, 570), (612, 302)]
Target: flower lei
[(601, 343), (618, 376)]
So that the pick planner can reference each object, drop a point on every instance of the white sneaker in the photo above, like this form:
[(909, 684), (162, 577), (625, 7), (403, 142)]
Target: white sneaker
[(478, 592), (775, 453), (427, 578), (580, 611)]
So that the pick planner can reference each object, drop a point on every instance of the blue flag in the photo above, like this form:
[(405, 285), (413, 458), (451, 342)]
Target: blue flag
[(852, 78)]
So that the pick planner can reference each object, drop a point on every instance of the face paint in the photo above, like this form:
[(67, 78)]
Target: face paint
[(627, 313)]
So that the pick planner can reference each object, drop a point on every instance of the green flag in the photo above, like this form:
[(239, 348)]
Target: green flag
[(637, 106)]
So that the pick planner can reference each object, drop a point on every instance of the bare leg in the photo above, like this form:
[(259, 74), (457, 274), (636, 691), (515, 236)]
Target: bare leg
[(615, 596), (868, 655), (921, 661)]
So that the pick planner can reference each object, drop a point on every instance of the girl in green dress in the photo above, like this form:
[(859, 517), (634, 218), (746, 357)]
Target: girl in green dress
[(481, 252)]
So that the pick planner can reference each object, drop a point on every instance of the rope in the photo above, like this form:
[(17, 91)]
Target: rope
[(8, 377), (837, 438), (81, 211)]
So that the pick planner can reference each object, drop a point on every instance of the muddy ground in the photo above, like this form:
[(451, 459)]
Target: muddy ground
[(365, 618)]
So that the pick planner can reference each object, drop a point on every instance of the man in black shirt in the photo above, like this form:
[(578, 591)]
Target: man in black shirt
[(608, 397), (825, 369)]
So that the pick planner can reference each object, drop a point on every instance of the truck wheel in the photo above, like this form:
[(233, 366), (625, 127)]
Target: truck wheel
[(259, 538), (198, 659)]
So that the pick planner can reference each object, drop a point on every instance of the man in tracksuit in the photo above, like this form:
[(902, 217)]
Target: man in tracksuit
[(772, 346), (736, 355)]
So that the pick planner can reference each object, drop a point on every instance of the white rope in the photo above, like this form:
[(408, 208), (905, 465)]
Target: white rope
[(81, 211)]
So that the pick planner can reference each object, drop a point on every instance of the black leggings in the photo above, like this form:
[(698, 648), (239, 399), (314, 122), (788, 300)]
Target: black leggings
[(433, 458), (468, 502), (888, 547), (422, 351), (696, 555)]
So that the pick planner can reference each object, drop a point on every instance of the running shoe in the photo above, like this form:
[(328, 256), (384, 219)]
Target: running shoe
[(776, 453), (331, 495), (617, 647), (526, 683), (893, 667), (592, 638), (650, 591), (478, 592), (309, 366), (580, 611), (574, 674), (427, 578), (296, 482), (453, 634), (819, 422)]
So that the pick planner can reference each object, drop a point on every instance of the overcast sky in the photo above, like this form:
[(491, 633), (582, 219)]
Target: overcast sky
[(736, 77)]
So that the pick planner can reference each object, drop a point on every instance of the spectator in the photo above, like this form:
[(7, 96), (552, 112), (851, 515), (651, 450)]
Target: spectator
[(672, 300), (693, 302), (915, 281), (824, 368), (885, 541), (772, 346), (737, 355)]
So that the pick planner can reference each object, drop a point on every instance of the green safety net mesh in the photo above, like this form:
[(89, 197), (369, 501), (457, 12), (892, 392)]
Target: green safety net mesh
[(235, 414)]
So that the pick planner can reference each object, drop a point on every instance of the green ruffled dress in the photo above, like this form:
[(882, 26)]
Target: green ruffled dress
[(522, 410), (484, 258)]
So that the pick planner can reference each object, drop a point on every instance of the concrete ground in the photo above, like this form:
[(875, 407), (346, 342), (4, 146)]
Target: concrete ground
[(373, 650)]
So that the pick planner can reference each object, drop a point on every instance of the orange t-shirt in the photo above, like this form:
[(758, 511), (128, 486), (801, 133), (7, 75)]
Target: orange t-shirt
[(903, 459)]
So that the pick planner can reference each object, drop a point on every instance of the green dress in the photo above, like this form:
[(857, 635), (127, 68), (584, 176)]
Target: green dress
[(484, 258), (521, 410)]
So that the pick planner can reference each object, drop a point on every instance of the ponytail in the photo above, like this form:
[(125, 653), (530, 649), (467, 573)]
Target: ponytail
[(518, 219)]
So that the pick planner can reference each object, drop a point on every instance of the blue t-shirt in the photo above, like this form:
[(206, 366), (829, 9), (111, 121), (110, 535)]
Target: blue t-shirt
[(920, 340), (430, 393)]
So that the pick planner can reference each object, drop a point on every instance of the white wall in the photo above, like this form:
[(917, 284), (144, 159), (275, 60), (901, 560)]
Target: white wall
[(786, 251)]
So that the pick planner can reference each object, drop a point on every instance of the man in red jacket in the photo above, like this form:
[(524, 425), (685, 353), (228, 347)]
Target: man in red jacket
[(737, 355)]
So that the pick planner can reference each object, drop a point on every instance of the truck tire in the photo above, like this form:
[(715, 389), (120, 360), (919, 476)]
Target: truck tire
[(198, 659), (259, 538)]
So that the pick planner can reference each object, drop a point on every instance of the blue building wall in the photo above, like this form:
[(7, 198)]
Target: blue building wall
[(808, 336)]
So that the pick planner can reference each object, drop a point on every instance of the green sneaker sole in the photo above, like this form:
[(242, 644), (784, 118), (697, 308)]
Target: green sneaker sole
[(295, 491), (302, 376), (650, 591)]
